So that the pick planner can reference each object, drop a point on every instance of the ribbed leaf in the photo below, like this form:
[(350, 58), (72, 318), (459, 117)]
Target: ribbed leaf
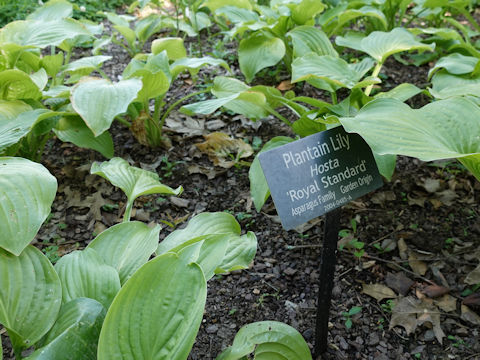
[(213, 5), (27, 191), (306, 10), (456, 64), (126, 246), (307, 39), (445, 85), (75, 332), (333, 70), (85, 274), (133, 181), (98, 101), (380, 45), (401, 92), (194, 64), (237, 15), (270, 340), (430, 133), (30, 295), (75, 131), (153, 84), (157, 313), (239, 254), (172, 45), (258, 184), (52, 10), (364, 11), (40, 33), (257, 52), (15, 85), (88, 64)]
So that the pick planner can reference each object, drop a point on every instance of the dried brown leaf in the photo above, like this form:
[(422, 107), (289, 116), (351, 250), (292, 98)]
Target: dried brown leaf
[(431, 185), (402, 248), (378, 291), (210, 172), (470, 315), (187, 126), (399, 282), (434, 291), (418, 266), (472, 300), (285, 85), (224, 151), (447, 303), (473, 276), (380, 198)]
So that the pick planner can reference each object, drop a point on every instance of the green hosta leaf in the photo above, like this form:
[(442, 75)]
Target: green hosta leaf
[(174, 47), (220, 223), (365, 11), (270, 340), (174, 292), (225, 86), (445, 85), (430, 133), (213, 241), (258, 184), (307, 39), (127, 33), (307, 126), (335, 71), (30, 295), (98, 101), (257, 52), (386, 164), (87, 64), (40, 78), (193, 64), (401, 92), (15, 84), (27, 191), (126, 246), (85, 274), (153, 84), (40, 33), (147, 27), (380, 45), (213, 5), (456, 64), (74, 130), (306, 10), (52, 10), (75, 332), (133, 181), (237, 15)]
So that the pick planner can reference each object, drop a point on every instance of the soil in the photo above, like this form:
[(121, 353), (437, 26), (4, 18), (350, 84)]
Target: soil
[(428, 211)]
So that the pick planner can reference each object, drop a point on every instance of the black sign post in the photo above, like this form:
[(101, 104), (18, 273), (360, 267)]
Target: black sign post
[(317, 175)]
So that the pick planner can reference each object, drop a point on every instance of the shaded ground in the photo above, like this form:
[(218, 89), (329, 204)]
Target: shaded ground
[(422, 228)]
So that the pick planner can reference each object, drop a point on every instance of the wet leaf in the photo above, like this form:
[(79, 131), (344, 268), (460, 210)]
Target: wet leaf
[(470, 315), (285, 85), (399, 282), (472, 300), (473, 277), (224, 151), (418, 266), (447, 303), (434, 291), (378, 291)]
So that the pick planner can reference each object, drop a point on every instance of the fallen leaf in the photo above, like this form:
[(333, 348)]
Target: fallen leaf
[(447, 303), (402, 249), (416, 201), (434, 291), (410, 313), (447, 197), (215, 124), (178, 202), (187, 126), (224, 151), (94, 202), (285, 85), (418, 266), (470, 315), (378, 291), (210, 172), (436, 203), (431, 185), (473, 277), (399, 282), (472, 300), (382, 197)]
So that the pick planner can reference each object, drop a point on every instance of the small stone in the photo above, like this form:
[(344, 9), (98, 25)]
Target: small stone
[(343, 343), (181, 203), (289, 271), (307, 334), (429, 335), (212, 329), (381, 357), (373, 339), (256, 291), (359, 340)]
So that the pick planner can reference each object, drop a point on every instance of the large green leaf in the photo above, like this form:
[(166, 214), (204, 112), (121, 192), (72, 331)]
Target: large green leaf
[(75, 130), (153, 84), (442, 129), (269, 340), (237, 15), (456, 64), (126, 246), (364, 11), (15, 84), (52, 10), (335, 71), (445, 85), (380, 45), (257, 52), (27, 191), (173, 46), (194, 64), (98, 101), (30, 295), (75, 332), (213, 5), (258, 184), (157, 313), (402, 92), (85, 274), (40, 33), (133, 181), (307, 39), (86, 65), (306, 10), (239, 253)]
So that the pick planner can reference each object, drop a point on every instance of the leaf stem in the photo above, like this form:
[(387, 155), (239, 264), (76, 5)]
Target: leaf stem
[(375, 73), (333, 95), (128, 211), (276, 114)]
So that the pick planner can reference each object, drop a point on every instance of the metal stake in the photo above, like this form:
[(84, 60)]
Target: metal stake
[(328, 260)]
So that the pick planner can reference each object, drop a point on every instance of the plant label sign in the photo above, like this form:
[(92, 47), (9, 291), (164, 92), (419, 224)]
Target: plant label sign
[(314, 175)]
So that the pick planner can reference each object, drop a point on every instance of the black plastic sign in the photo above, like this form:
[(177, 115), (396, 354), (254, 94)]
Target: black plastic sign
[(318, 173)]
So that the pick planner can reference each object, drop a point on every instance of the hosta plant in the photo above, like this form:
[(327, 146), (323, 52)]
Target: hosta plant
[(91, 303)]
